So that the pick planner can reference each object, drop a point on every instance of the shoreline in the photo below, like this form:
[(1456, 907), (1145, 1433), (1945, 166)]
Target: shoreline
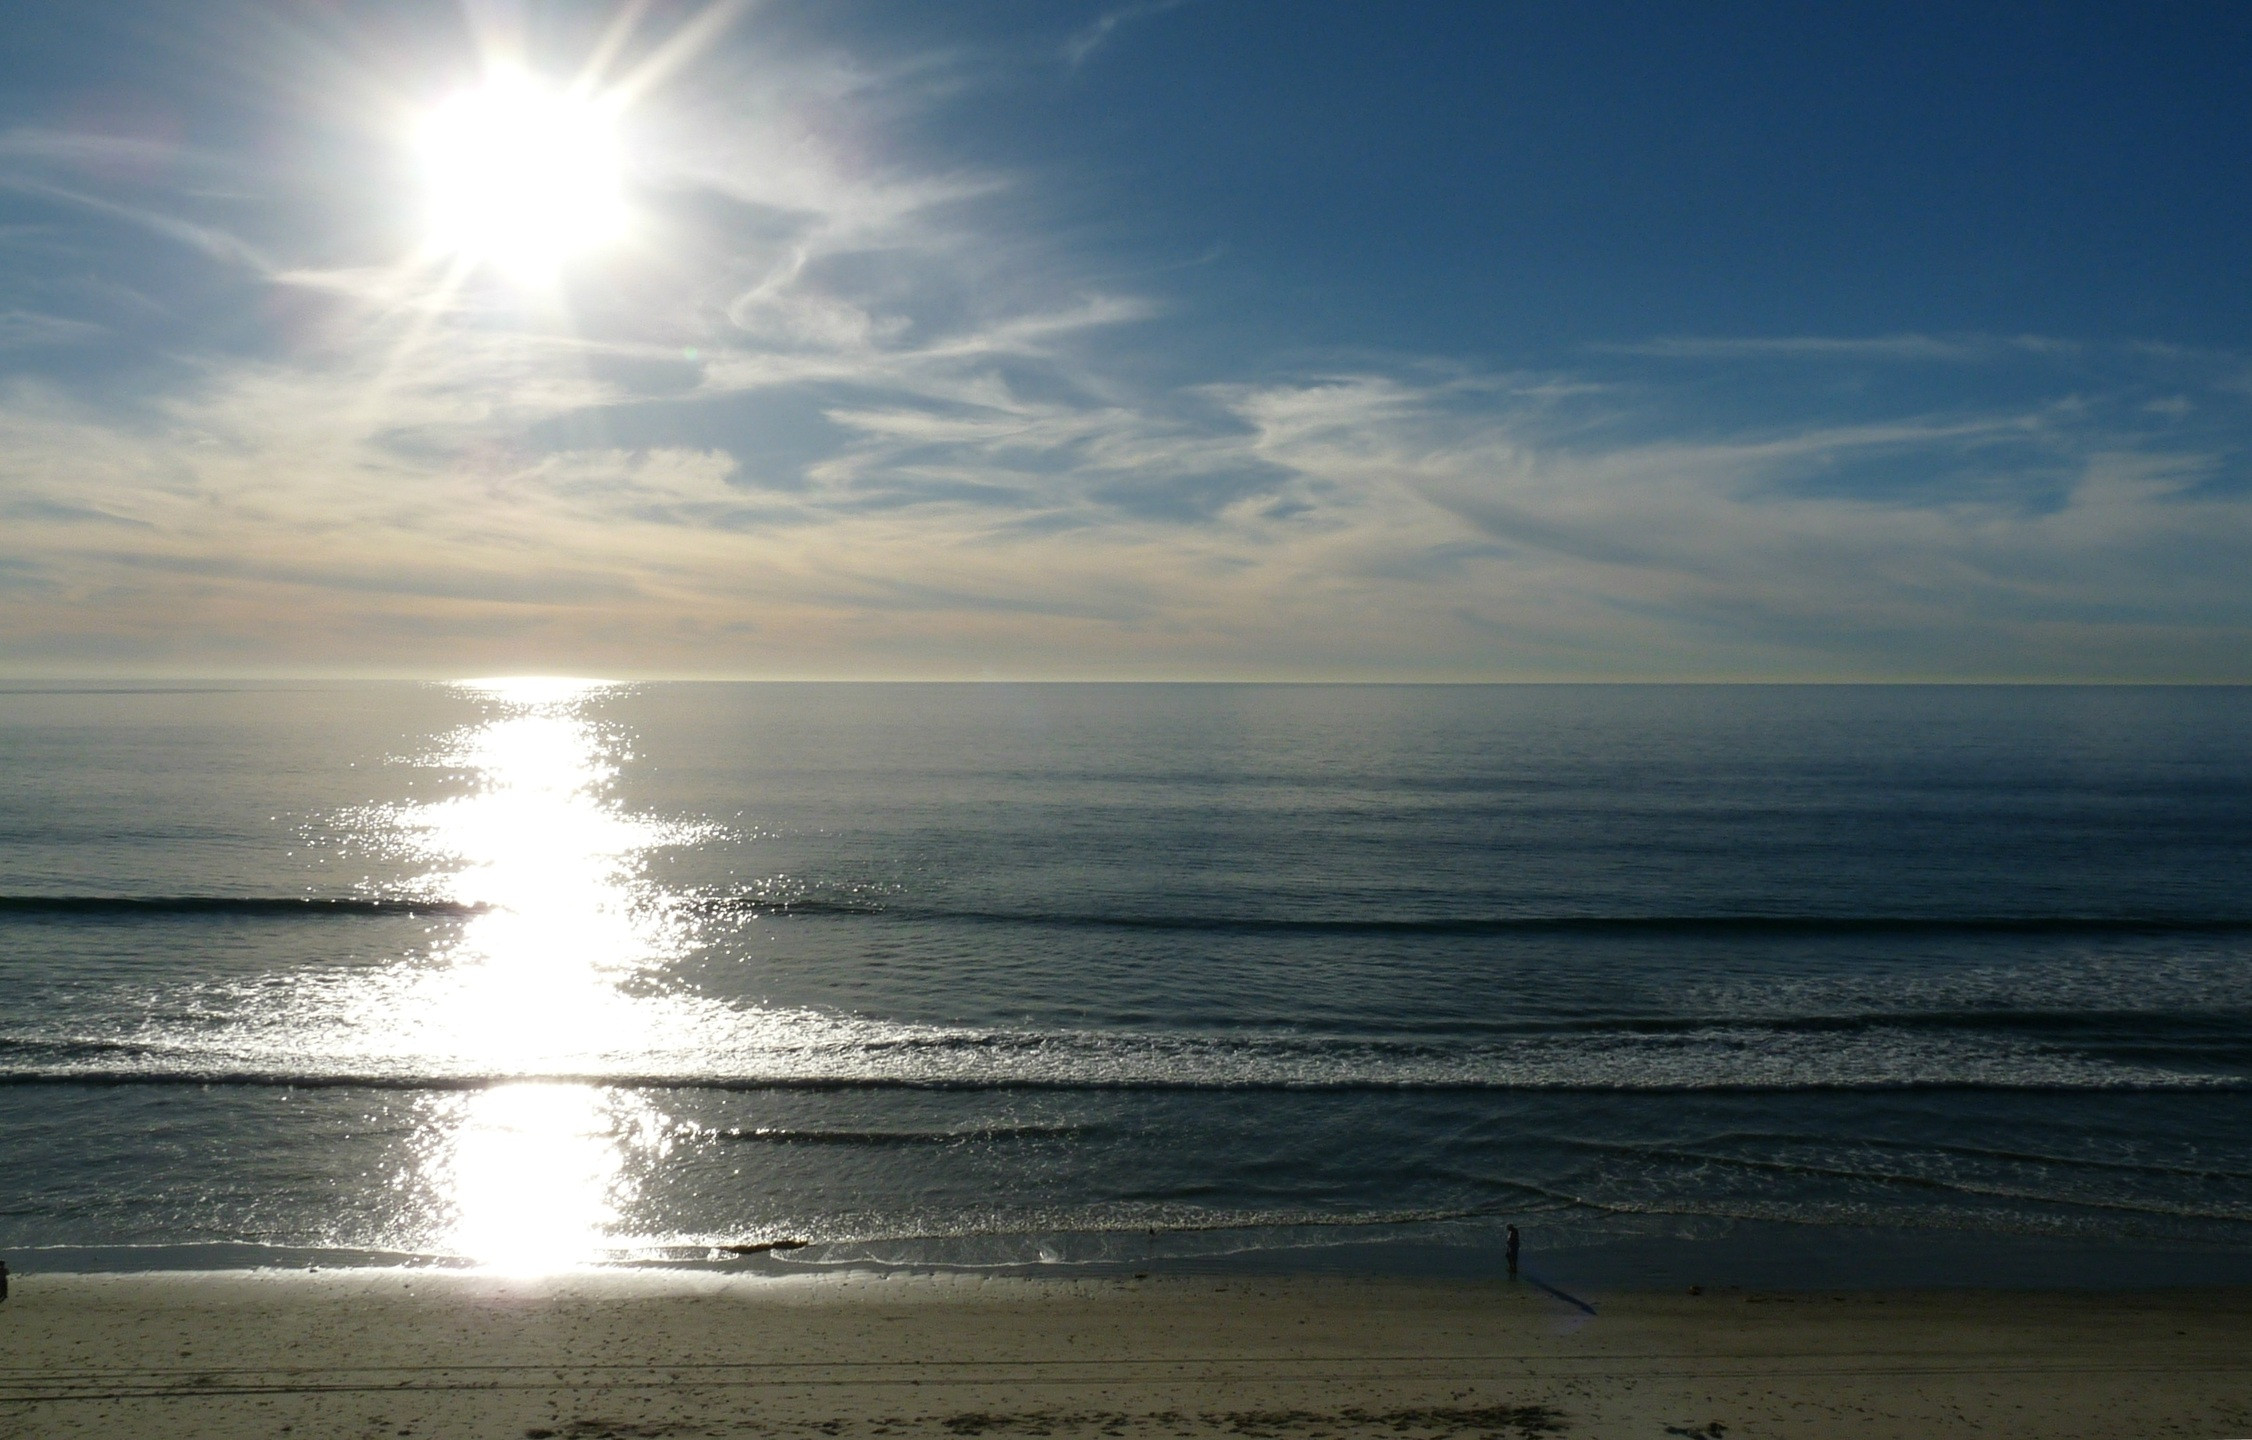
[(641, 1352), (1652, 1257)]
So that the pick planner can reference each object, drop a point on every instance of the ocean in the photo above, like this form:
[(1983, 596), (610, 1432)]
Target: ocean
[(1819, 985)]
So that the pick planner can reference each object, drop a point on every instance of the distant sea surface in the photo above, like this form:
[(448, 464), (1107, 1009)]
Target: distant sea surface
[(1773, 984)]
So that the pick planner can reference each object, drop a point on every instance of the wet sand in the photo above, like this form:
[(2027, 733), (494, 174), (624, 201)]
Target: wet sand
[(650, 1353)]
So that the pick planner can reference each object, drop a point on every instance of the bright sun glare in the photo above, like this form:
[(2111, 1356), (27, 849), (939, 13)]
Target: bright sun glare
[(522, 177)]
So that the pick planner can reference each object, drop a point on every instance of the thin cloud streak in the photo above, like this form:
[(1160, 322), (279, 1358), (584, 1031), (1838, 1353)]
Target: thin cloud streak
[(1912, 349), (1096, 35)]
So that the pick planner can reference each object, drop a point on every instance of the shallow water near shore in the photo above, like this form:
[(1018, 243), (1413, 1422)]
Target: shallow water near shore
[(1732, 985)]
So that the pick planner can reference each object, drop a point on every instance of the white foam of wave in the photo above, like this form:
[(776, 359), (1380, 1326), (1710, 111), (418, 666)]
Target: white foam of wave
[(449, 1024)]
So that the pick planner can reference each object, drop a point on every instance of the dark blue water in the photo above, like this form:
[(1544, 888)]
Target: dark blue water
[(1795, 982)]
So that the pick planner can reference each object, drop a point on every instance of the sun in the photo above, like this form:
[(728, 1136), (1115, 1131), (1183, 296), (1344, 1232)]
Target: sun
[(521, 177)]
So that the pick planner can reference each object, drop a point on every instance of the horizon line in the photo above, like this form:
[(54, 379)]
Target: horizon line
[(19, 681)]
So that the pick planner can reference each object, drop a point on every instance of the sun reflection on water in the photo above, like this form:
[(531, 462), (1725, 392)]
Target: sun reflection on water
[(534, 1176)]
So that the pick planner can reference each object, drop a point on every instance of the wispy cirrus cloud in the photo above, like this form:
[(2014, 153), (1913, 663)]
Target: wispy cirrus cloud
[(1352, 523), (107, 175)]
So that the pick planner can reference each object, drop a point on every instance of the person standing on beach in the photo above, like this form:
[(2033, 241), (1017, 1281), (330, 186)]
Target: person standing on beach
[(1510, 1250), (3, 1279)]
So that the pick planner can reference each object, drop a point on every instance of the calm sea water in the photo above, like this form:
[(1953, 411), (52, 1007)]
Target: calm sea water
[(1769, 982)]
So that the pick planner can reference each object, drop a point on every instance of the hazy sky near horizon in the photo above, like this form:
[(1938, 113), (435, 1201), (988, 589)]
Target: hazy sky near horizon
[(1085, 340)]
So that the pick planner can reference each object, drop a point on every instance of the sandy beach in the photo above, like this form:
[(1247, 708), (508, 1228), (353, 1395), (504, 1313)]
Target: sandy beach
[(648, 1353)]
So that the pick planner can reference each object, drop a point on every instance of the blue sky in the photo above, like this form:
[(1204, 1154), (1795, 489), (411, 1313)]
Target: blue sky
[(1197, 340)]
